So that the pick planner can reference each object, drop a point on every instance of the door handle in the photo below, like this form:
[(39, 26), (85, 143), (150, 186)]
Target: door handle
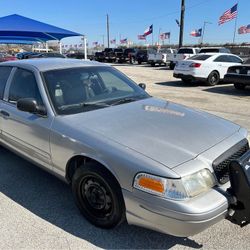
[(4, 113)]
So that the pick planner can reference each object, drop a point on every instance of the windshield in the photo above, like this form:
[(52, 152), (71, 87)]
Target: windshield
[(83, 89), (200, 57), (185, 51)]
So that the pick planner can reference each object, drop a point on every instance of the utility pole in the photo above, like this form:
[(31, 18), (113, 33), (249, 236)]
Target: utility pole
[(182, 23), (108, 29)]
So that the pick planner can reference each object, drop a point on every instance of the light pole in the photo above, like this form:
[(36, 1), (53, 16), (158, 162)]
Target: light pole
[(84, 39), (108, 29), (203, 31)]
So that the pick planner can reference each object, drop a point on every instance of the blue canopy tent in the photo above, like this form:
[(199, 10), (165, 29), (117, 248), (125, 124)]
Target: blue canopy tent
[(16, 27), (16, 42)]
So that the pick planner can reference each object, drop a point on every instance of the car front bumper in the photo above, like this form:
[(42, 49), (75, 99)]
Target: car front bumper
[(179, 218)]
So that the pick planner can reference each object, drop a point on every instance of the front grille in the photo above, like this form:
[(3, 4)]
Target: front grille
[(221, 164)]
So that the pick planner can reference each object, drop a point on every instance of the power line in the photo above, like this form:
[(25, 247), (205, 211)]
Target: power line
[(165, 15)]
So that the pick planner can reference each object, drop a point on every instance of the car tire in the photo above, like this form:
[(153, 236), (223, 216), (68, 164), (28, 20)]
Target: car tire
[(213, 78), (98, 195), (239, 86), (186, 80), (152, 64), (171, 66), (139, 62)]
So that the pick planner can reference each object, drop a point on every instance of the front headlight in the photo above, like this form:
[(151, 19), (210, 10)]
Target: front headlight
[(177, 189)]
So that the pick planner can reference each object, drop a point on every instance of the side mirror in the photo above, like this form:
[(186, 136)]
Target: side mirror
[(30, 105), (142, 85)]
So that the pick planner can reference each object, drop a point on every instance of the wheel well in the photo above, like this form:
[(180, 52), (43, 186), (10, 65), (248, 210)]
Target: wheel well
[(76, 162), (215, 71)]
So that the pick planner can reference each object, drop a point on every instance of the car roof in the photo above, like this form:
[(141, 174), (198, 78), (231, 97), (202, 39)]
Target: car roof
[(45, 64), (213, 48), (189, 48), (215, 54)]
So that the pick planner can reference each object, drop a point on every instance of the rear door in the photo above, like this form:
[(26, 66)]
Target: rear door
[(222, 63), (25, 132)]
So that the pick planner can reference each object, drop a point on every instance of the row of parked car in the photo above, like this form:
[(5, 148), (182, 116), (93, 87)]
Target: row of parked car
[(165, 56), (131, 55), (212, 66)]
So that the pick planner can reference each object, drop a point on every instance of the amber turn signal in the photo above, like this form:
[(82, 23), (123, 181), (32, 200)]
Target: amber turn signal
[(151, 184)]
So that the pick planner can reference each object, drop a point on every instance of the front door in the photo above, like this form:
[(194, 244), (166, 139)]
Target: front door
[(25, 132)]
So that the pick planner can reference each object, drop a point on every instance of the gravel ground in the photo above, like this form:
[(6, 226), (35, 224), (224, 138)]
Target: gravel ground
[(37, 210)]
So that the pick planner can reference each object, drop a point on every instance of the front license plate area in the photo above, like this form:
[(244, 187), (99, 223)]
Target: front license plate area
[(239, 175)]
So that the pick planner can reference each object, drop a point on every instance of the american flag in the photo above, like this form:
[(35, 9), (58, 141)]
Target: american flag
[(141, 37), (113, 41), (229, 15), (244, 29), (124, 41), (95, 43), (165, 35)]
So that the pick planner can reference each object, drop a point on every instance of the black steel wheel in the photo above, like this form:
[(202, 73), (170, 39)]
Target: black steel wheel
[(98, 195), (239, 86), (213, 78)]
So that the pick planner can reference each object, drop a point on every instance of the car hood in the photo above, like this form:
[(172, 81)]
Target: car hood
[(163, 131)]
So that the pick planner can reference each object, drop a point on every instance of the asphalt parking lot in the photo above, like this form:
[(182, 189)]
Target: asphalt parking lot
[(37, 210)]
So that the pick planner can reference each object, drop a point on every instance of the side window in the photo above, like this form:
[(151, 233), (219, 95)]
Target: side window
[(24, 85), (4, 75), (235, 59), (223, 58)]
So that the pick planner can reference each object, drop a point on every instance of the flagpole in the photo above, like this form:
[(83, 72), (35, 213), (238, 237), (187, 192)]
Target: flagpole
[(159, 36), (153, 37), (235, 24), (203, 31)]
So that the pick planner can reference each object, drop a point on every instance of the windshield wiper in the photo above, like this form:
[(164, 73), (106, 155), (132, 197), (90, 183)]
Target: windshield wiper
[(128, 99), (84, 104)]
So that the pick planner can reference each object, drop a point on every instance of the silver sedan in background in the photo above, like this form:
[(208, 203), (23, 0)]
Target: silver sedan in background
[(127, 155)]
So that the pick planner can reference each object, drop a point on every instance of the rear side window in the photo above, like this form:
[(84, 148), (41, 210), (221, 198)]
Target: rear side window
[(185, 51), (200, 57), (223, 58), (235, 59), (4, 75)]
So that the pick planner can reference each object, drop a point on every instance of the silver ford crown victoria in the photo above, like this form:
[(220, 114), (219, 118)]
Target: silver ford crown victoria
[(127, 155)]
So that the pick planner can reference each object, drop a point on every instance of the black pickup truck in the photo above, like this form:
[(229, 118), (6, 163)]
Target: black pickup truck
[(109, 55), (139, 57), (119, 55), (99, 57)]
